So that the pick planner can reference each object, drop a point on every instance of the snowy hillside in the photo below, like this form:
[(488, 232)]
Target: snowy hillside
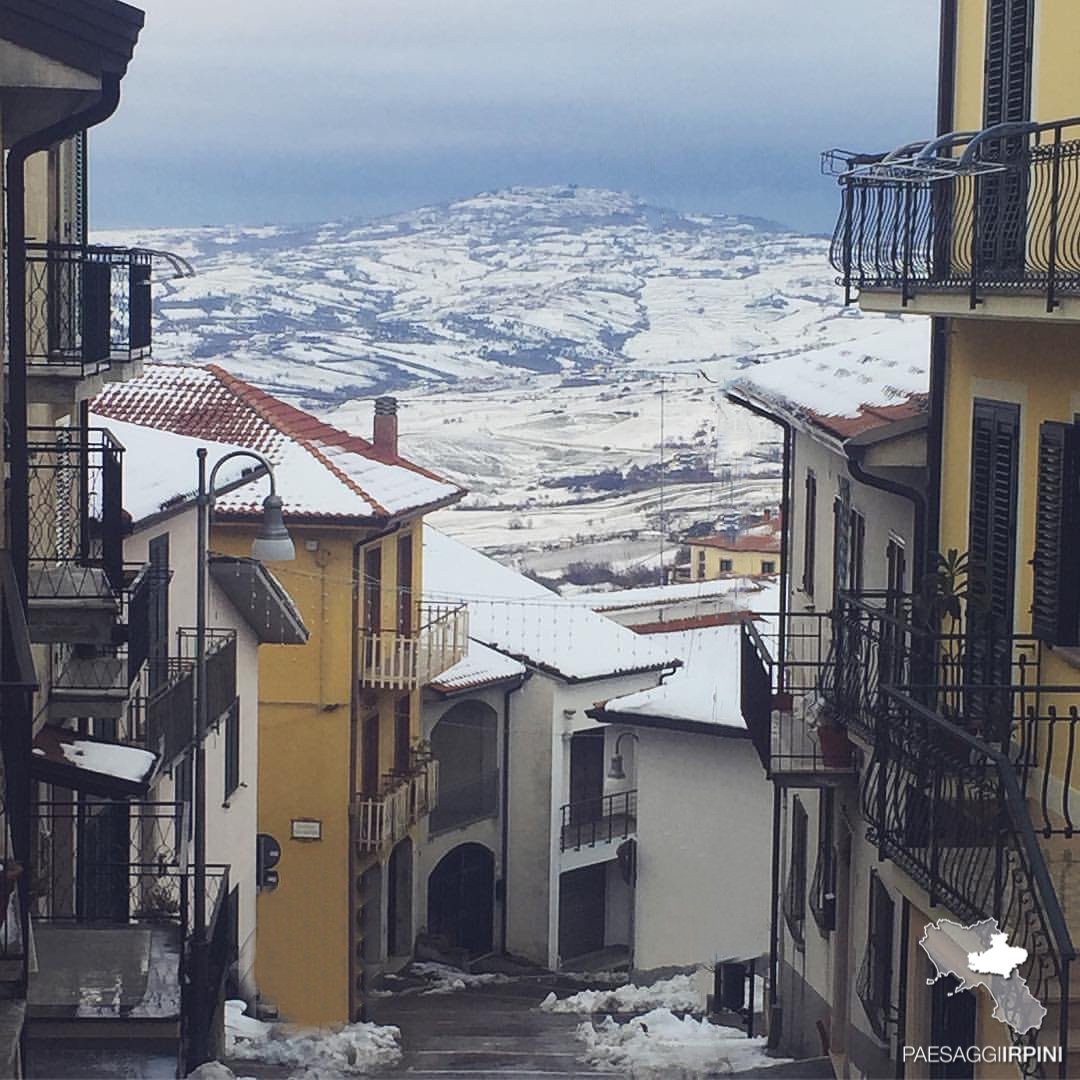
[(529, 333)]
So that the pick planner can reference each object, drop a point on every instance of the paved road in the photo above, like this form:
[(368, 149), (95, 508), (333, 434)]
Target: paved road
[(494, 1030)]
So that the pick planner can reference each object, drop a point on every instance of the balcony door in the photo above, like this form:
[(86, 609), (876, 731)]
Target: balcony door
[(373, 590), (103, 861), (404, 585), (586, 777)]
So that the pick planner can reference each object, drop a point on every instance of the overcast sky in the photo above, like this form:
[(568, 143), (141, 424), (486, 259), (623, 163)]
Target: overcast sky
[(260, 111)]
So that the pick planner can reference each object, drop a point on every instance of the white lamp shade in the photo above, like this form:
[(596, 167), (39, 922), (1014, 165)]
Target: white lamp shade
[(272, 542)]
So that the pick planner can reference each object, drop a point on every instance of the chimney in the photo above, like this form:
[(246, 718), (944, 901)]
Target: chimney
[(384, 438)]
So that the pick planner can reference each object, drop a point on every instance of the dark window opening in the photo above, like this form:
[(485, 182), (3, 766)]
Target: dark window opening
[(810, 536), (373, 590), (768, 566), (232, 748), (158, 599), (875, 975), (402, 735), (856, 551), (725, 566), (795, 891), (405, 585)]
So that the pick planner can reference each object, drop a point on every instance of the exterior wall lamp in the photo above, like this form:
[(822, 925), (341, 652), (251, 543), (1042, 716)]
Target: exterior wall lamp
[(616, 770)]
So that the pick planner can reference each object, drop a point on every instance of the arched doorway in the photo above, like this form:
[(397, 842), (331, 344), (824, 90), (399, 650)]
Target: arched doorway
[(399, 900), (461, 898)]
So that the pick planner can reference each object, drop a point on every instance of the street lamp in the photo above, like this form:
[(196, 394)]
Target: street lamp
[(272, 543), (616, 770)]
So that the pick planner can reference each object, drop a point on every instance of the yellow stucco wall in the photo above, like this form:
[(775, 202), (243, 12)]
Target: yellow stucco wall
[(742, 562), (1055, 83), (306, 742)]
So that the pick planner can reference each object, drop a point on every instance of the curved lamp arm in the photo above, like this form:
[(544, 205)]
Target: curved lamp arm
[(616, 770), (254, 455)]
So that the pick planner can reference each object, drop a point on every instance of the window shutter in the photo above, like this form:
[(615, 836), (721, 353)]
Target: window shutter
[(810, 539), (1008, 61), (1056, 593)]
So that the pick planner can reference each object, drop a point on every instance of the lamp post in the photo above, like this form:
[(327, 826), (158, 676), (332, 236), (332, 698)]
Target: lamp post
[(272, 544), (615, 769)]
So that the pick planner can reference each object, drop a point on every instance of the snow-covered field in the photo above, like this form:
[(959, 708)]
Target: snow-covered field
[(557, 350)]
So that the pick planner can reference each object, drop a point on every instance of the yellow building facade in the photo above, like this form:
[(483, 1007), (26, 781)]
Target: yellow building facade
[(345, 783)]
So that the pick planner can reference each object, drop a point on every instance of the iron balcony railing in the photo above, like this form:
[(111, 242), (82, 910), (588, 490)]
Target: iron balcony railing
[(168, 705), (950, 809), (391, 659), (87, 307), (785, 669), (76, 519), (602, 820), (993, 212), (406, 797)]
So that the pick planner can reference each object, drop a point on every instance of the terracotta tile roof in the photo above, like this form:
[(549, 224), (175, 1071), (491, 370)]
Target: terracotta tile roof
[(767, 544), (322, 471)]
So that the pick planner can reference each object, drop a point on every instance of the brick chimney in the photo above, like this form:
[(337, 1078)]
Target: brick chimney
[(384, 438)]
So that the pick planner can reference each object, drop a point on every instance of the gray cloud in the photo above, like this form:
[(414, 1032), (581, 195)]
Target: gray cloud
[(257, 110)]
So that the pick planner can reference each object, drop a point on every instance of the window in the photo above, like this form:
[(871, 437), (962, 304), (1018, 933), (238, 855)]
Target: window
[(725, 566), (874, 984), (795, 890), (701, 565), (157, 649), (1056, 596), (404, 585), (856, 550), (232, 748), (823, 887), (369, 763), (768, 566), (402, 735), (809, 537), (373, 589)]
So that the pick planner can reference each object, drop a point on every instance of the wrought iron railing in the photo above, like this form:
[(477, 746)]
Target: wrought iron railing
[(390, 659), (602, 820), (87, 306), (785, 666), (822, 895), (76, 520), (466, 801), (108, 862), (170, 706), (1001, 214), (873, 985), (949, 809), (793, 903), (406, 797)]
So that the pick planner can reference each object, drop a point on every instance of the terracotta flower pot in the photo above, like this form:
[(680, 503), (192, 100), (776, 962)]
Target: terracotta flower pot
[(835, 746)]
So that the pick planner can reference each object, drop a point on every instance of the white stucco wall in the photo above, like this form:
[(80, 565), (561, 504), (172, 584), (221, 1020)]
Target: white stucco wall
[(704, 840), (231, 824)]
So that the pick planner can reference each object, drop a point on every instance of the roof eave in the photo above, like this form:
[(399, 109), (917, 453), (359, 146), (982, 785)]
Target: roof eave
[(667, 723)]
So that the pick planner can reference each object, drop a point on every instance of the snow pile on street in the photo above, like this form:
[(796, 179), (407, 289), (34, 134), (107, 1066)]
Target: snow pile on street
[(663, 1044), (345, 1051), (679, 994), (447, 980)]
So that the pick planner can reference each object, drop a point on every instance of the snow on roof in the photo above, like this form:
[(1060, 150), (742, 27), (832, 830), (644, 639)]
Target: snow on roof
[(160, 467), (321, 470), (521, 618), (651, 595), (850, 387), (704, 691), (480, 667)]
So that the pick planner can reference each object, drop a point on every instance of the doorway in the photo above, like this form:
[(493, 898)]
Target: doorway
[(586, 777), (461, 898), (399, 900), (582, 909), (952, 1024)]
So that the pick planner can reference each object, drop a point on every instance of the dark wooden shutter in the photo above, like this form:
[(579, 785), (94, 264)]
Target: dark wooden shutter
[(992, 516), (232, 748), (1056, 595), (1007, 91), (881, 943), (810, 539)]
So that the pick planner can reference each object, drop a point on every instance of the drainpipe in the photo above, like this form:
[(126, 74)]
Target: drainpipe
[(505, 823), (935, 432), (97, 113), (903, 491), (775, 1016)]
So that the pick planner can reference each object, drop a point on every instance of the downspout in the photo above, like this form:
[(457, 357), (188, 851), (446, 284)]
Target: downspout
[(99, 112), (775, 1014), (504, 910), (903, 491), (357, 1009)]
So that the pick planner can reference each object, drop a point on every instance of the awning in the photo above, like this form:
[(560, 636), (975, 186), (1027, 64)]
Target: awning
[(260, 599), (91, 766)]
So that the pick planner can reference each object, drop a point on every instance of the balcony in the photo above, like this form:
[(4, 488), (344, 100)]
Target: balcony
[(593, 830), (88, 314), (786, 671), (164, 719), (76, 534), (392, 660), (379, 823), (983, 224)]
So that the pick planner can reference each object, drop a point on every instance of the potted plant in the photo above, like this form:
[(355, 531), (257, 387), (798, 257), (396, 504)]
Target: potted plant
[(833, 741)]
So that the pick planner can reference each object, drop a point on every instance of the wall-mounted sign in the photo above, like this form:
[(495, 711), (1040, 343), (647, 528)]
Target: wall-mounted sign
[(306, 829)]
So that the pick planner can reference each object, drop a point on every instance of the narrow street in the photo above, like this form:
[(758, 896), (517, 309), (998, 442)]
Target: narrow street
[(491, 1030)]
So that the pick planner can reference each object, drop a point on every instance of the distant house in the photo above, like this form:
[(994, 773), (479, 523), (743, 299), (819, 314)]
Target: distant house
[(754, 551), (523, 852)]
